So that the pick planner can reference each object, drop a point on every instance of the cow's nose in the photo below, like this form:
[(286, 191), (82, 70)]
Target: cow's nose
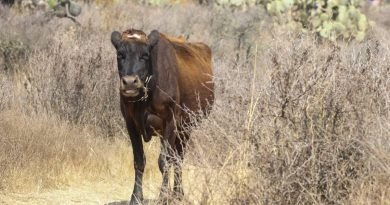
[(131, 80)]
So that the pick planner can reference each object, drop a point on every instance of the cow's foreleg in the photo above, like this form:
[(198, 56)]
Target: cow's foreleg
[(139, 164)]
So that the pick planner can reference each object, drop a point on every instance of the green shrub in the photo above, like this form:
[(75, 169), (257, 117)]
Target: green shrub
[(331, 19)]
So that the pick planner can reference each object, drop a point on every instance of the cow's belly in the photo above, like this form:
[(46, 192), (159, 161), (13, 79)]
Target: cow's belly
[(196, 92)]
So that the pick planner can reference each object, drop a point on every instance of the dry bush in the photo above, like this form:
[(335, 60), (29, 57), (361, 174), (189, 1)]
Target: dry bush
[(315, 131), (322, 105), (295, 121), (5, 91), (74, 78)]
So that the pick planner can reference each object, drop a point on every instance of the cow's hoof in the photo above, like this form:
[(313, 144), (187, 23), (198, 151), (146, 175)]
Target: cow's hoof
[(136, 200), (163, 200), (178, 194)]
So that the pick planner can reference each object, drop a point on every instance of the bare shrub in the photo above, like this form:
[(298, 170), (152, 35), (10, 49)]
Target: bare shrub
[(12, 51), (318, 109), (5, 92), (74, 78), (317, 124)]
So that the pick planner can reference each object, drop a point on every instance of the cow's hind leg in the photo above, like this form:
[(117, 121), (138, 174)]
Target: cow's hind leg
[(166, 158), (139, 164), (164, 164), (181, 143)]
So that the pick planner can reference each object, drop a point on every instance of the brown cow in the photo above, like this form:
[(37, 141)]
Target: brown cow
[(162, 80)]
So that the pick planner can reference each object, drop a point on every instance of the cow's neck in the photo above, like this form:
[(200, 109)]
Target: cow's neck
[(134, 110)]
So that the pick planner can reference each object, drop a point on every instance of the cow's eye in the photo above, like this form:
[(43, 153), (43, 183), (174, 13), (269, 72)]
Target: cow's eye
[(120, 56)]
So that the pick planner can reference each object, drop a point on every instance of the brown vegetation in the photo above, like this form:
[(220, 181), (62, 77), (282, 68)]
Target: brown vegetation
[(295, 121)]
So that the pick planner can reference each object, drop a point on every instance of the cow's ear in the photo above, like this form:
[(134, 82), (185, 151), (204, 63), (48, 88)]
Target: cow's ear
[(153, 38), (116, 38)]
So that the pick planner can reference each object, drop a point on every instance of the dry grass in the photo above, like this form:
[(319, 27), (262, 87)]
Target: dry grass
[(40, 153), (296, 121)]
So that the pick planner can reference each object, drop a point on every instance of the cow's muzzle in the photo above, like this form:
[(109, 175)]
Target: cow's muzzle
[(130, 85)]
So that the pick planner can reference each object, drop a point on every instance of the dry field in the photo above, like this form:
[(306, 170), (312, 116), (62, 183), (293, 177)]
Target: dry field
[(296, 120)]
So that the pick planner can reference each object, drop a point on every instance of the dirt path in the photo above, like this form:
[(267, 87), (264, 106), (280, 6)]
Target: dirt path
[(97, 193)]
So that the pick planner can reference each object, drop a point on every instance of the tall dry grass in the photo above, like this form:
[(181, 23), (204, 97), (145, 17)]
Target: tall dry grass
[(40, 152), (295, 121)]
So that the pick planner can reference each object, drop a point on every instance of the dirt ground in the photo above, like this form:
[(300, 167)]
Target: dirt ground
[(97, 193), (104, 192)]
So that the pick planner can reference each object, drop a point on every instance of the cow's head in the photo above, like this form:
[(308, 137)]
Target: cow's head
[(134, 64)]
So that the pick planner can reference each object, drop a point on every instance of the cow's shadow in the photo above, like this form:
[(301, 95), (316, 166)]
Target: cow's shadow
[(118, 203), (145, 202)]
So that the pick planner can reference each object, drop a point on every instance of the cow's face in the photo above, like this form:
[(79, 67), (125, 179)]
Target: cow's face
[(133, 64)]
